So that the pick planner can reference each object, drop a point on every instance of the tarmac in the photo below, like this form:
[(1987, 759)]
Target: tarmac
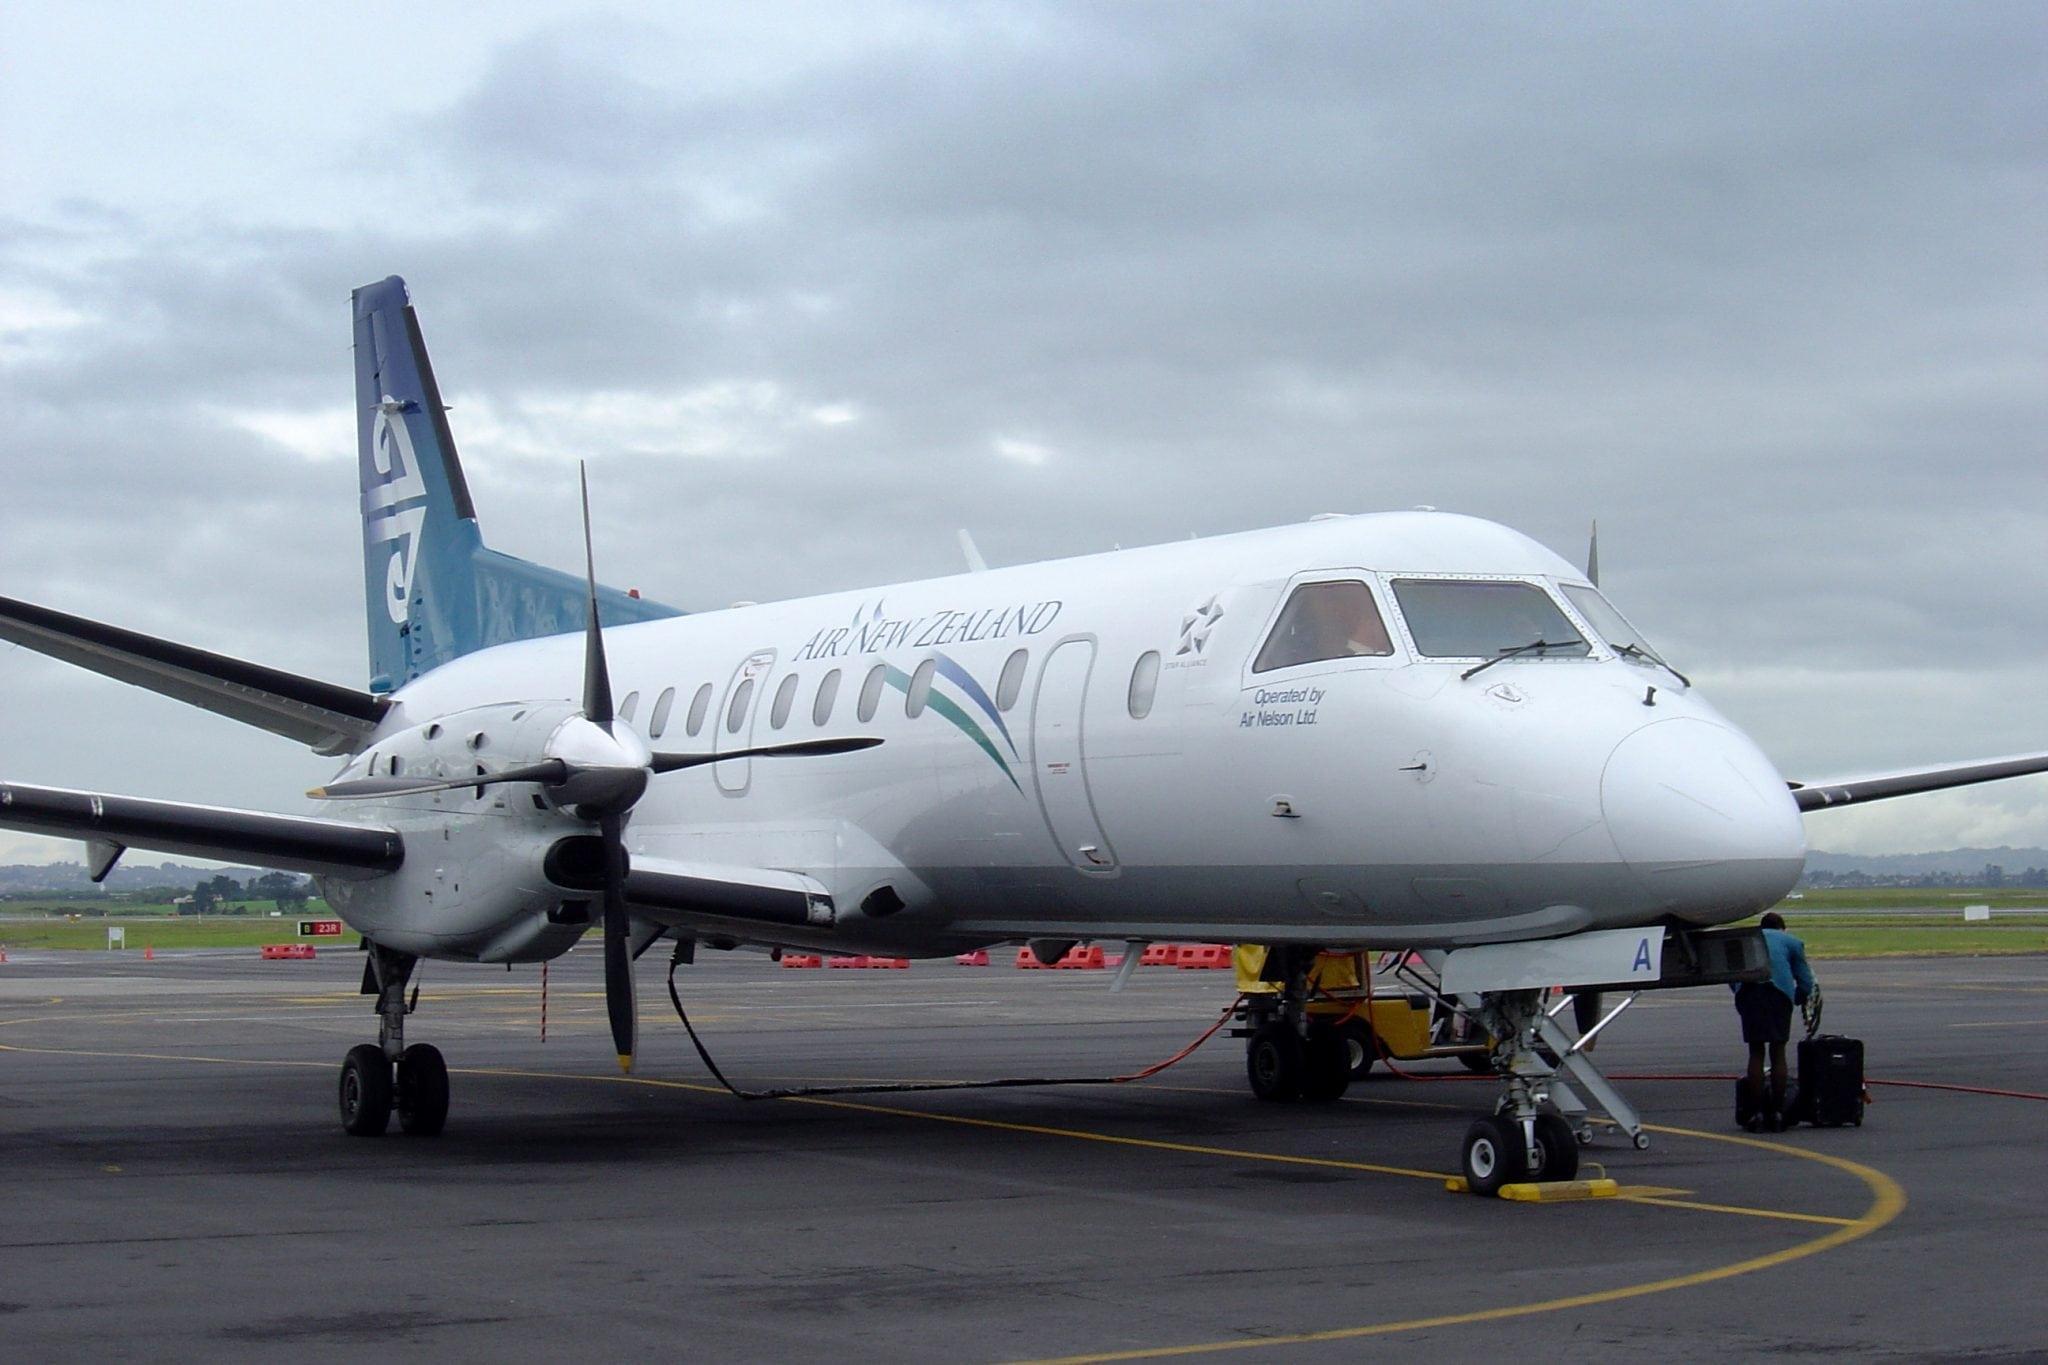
[(174, 1182)]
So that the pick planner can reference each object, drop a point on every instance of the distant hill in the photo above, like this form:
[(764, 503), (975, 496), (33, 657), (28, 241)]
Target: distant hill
[(23, 879), (1955, 866)]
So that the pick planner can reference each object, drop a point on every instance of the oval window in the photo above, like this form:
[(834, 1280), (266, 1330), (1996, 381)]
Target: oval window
[(662, 706), (1012, 681), (1144, 684), (871, 692), (736, 712), (700, 706), (778, 714), (920, 690), (828, 693)]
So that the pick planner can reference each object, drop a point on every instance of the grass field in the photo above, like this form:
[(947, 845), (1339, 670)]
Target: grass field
[(1878, 926), (28, 925)]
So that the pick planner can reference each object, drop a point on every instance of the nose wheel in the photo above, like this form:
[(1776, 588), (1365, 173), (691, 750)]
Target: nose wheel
[(378, 1078)]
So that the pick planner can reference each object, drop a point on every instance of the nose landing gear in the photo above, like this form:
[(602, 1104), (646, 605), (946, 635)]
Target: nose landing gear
[(377, 1078)]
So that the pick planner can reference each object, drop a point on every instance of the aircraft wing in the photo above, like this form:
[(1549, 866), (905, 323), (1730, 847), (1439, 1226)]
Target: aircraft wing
[(331, 719), (1822, 795), (673, 893), (258, 838)]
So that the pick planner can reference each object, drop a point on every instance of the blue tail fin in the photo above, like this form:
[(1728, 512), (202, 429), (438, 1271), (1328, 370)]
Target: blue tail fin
[(433, 591)]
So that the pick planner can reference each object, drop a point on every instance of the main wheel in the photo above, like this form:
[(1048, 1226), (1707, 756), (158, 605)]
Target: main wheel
[(1557, 1148), (422, 1090), (365, 1090), (1326, 1059), (1359, 1049), (1494, 1155), (1273, 1062)]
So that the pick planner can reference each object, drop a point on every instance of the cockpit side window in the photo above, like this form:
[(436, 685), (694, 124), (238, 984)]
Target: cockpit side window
[(1610, 625), (1485, 619), (1325, 621)]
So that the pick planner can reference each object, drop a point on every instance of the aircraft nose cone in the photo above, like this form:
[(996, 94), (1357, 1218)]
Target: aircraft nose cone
[(1703, 819)]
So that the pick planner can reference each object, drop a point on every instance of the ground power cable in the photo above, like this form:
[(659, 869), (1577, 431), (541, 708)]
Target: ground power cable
[(905, 1087)]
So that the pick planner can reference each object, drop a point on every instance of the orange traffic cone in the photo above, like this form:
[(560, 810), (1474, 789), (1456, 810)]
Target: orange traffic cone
[(149, 952)]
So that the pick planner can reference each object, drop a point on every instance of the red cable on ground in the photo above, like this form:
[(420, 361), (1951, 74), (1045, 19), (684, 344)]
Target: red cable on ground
[(896, 1088)]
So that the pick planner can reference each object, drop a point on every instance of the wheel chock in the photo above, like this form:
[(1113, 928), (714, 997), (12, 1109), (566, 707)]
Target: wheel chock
[(1545, 1191)]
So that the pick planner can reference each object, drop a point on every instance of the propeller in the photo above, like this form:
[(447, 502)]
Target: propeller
[(598, 768)]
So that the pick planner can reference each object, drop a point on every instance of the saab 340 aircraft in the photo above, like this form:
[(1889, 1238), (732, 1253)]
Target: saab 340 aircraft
[(1408, 730)]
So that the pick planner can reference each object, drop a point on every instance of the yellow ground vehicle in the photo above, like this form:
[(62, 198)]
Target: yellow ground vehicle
[(1388, 1008)]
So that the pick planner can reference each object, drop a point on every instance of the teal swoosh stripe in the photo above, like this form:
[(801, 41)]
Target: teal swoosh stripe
[(965, 680), (950, 709)]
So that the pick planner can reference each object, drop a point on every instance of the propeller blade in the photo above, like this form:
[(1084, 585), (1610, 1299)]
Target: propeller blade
[(619, 1005), (804, 748), (551, 771), (597, 681)]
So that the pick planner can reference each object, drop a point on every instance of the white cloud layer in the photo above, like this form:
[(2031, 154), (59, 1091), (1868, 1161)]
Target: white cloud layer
[(1759, 287)]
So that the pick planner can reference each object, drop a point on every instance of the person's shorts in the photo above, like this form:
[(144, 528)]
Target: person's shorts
[(1766, 1013)]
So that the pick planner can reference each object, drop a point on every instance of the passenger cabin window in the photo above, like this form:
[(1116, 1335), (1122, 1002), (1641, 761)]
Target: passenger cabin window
[(785, 695), (700, 706), (920, 690), (1325, 621), (1486, 619), (1012, 680), (1144, 684), (736, 713), (662, 705), (871, 692), (629, 705), (1609, 624), (828, 693)]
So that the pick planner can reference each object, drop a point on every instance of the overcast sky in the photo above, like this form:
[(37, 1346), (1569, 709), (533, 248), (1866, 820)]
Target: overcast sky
[(1761, 287)]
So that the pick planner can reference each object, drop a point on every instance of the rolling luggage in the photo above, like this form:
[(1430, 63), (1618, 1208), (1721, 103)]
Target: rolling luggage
[(1830, 1081)]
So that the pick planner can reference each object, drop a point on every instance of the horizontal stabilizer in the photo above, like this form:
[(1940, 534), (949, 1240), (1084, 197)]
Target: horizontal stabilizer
[(257, 838), (670, 892), (330, 719), (1822, 795)]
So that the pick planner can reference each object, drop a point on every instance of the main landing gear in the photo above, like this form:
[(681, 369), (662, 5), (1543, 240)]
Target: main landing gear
[(379, 1077), (1288, 1054)]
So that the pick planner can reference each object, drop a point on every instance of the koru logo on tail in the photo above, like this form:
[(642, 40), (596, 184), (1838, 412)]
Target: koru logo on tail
[(395, 507)]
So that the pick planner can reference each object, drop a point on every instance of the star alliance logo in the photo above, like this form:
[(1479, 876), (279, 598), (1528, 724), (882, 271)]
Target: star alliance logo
[(1194, 629)]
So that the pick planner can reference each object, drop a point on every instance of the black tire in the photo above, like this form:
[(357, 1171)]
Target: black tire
[(1360, 1050), (1494, 1155), (1558, 1148), (1274, 1063), (422, 1097), (1326, 1071), (1478, 1060), (365, 1091)]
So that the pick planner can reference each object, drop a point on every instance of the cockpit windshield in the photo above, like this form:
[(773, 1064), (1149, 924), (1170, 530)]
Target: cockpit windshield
[(1325, 621), (1486, 619), (1623, 638)]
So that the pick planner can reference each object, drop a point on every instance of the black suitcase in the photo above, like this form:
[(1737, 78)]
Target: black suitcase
[(1830, 1081)]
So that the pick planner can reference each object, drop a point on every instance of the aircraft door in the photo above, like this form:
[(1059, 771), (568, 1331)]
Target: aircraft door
[(735, 721), (1058, 758)]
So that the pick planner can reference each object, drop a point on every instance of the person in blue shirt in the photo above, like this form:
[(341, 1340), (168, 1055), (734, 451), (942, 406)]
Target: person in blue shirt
[(1766, 1011)]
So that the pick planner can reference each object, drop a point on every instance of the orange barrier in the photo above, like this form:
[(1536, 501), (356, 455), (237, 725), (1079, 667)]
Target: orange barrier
[(1205, 956), (1087, 959), (273, 952), (1160, 955), (974, 959), (1027, 961), (802, 960), (898, 962)]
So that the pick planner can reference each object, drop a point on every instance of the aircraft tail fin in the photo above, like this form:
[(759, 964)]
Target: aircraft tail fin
[(433, 591)]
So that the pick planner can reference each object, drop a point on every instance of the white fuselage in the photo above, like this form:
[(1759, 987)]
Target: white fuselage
[(1135, 776)]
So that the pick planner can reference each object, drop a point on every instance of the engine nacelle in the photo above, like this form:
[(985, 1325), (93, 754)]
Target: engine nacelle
[(499, 873)]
